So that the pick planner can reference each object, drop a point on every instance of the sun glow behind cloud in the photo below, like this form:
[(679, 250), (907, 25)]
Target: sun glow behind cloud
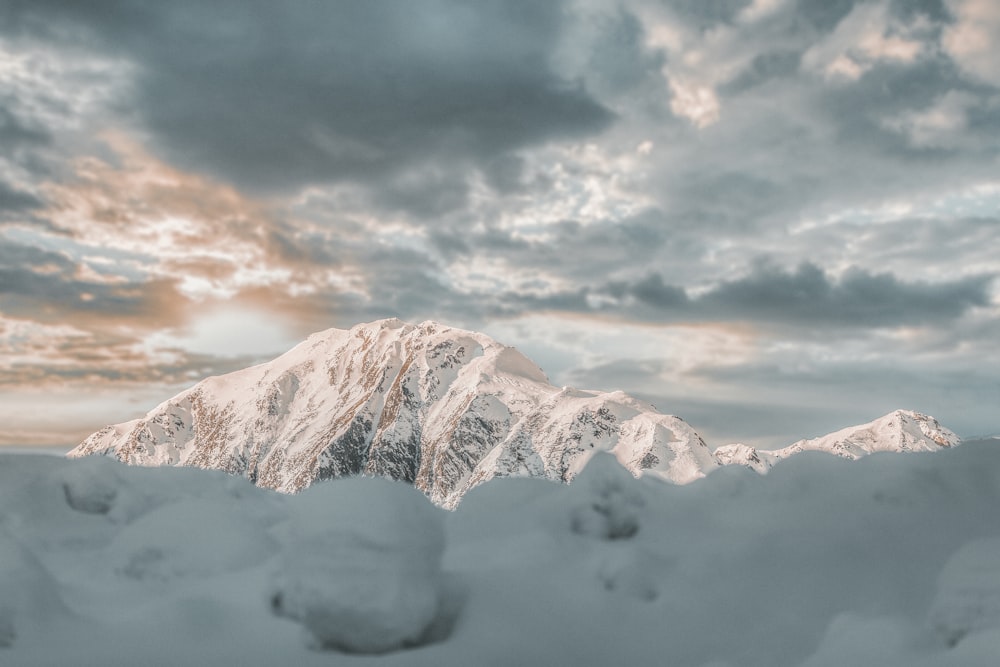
[(742, 204)]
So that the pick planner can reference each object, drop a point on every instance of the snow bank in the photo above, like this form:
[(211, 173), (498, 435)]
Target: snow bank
[(190, 538), (29, 595), (91, 487), (361, 569), (968, 592), (609, 500), (891, 560)]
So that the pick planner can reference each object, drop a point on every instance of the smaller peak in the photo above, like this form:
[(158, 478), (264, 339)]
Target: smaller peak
[(433, 327), (389, 323), (908, 415), (385, 324)]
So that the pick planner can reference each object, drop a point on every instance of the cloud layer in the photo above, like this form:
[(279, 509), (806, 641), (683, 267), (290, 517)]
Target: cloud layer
[(700, 202)]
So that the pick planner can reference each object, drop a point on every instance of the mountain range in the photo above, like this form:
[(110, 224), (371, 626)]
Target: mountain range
[(444, 409)]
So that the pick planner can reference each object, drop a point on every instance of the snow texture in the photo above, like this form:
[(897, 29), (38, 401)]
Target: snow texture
[(968, 596), (899, 431), (441, 408), (890, 560), (361, 568)]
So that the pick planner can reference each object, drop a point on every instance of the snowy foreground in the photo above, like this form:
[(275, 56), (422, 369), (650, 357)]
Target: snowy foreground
[(890, 560)]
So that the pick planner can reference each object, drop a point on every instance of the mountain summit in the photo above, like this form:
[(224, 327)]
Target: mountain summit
[(441, 408), (898, 431), (444, 409)]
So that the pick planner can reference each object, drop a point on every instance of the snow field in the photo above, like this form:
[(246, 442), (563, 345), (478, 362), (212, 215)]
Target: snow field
[(361, 568), (892, 560)]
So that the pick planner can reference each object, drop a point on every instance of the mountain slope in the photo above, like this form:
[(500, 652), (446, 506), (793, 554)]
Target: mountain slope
[(898, 431), (442, 408)]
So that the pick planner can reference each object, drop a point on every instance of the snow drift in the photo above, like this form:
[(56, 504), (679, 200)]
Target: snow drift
[(890, 560)]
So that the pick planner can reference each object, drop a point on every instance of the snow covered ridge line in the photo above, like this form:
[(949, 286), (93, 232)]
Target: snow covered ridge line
[(898, 431), (441, 408)]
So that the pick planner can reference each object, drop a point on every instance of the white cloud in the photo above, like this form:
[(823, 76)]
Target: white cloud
[(226, 332), (761, 9), (865, 37), (941, 125), (973, 41), (694, 101)]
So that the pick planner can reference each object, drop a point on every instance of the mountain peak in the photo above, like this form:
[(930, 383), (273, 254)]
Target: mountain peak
[(442, 408), (897, 431)]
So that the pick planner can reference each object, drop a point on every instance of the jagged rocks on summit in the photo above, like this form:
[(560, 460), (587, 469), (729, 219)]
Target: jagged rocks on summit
[(442, 408)]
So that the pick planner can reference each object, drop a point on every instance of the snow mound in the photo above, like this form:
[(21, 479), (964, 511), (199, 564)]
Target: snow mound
[(29, 595), (611, 500), (968, 596), (637, 573), (190, 538), (823, 562), (91, 488), (361, 569)]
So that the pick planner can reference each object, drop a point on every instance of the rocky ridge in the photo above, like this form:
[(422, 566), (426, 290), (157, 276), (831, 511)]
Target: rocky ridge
[(441, 408)]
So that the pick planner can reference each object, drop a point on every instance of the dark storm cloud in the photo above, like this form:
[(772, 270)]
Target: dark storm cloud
[(933, 9), (764, 67), (724, 199), (45, 285), (706, 13), (652, 291), (859, 298), (427, 193), (808, 296), (618, 62), (18, 142), (505, 174), (573, 250), (805, 296), (16, 133), (859, 111), (13, 199), (282, 94), (823, 15)]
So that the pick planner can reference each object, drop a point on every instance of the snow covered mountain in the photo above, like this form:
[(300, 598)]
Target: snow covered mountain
[(442, 408), (898, 431)]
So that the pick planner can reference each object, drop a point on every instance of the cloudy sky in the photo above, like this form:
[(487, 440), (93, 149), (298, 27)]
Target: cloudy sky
[(773, 218)]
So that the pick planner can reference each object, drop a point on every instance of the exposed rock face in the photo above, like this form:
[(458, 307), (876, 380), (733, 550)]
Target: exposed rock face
[(442, 408)]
